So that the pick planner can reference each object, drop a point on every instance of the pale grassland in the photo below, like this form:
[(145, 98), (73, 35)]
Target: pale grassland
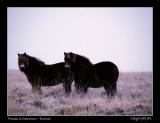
[(134, 97)]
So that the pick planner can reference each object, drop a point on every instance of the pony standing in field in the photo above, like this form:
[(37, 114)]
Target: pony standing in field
[(39, 74), (86, 74)]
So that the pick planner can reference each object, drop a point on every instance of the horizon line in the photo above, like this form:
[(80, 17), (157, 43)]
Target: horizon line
[(119, 71)]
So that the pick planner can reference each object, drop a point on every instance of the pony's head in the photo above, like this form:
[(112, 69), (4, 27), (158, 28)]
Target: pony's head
[(69, 58), (72, 58), (23, 61)]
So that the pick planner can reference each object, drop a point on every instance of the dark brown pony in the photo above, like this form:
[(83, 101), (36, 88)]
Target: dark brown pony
[(39, 74), (86, 74)]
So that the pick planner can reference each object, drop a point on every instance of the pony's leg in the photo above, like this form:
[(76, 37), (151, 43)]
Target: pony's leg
[(78, 88), (33, 88), (67, 88), (39, 90), (67, 84), (67, 81), (36, 87), (84, 90), (108, 89), (113, 89)]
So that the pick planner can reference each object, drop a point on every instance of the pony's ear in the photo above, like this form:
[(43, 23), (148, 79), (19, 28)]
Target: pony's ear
[(65, 53), (18, 54), (25, 53)]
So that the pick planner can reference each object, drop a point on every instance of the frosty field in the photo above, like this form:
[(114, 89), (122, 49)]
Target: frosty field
[(134, 97)]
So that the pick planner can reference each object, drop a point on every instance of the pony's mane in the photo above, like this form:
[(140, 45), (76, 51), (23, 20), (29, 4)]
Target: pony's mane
[(36, 60), (84, 58)]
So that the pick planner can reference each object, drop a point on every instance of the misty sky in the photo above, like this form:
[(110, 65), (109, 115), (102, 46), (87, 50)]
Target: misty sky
[(121, 35)]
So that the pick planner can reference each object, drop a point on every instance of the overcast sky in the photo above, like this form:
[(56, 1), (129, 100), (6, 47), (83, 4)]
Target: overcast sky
[(121, 35)]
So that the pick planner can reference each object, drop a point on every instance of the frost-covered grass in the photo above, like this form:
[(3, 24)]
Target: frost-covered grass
[(134, 97)]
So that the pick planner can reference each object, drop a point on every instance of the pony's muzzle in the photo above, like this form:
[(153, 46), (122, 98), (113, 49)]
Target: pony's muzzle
[(67, 66), (22, 66)]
